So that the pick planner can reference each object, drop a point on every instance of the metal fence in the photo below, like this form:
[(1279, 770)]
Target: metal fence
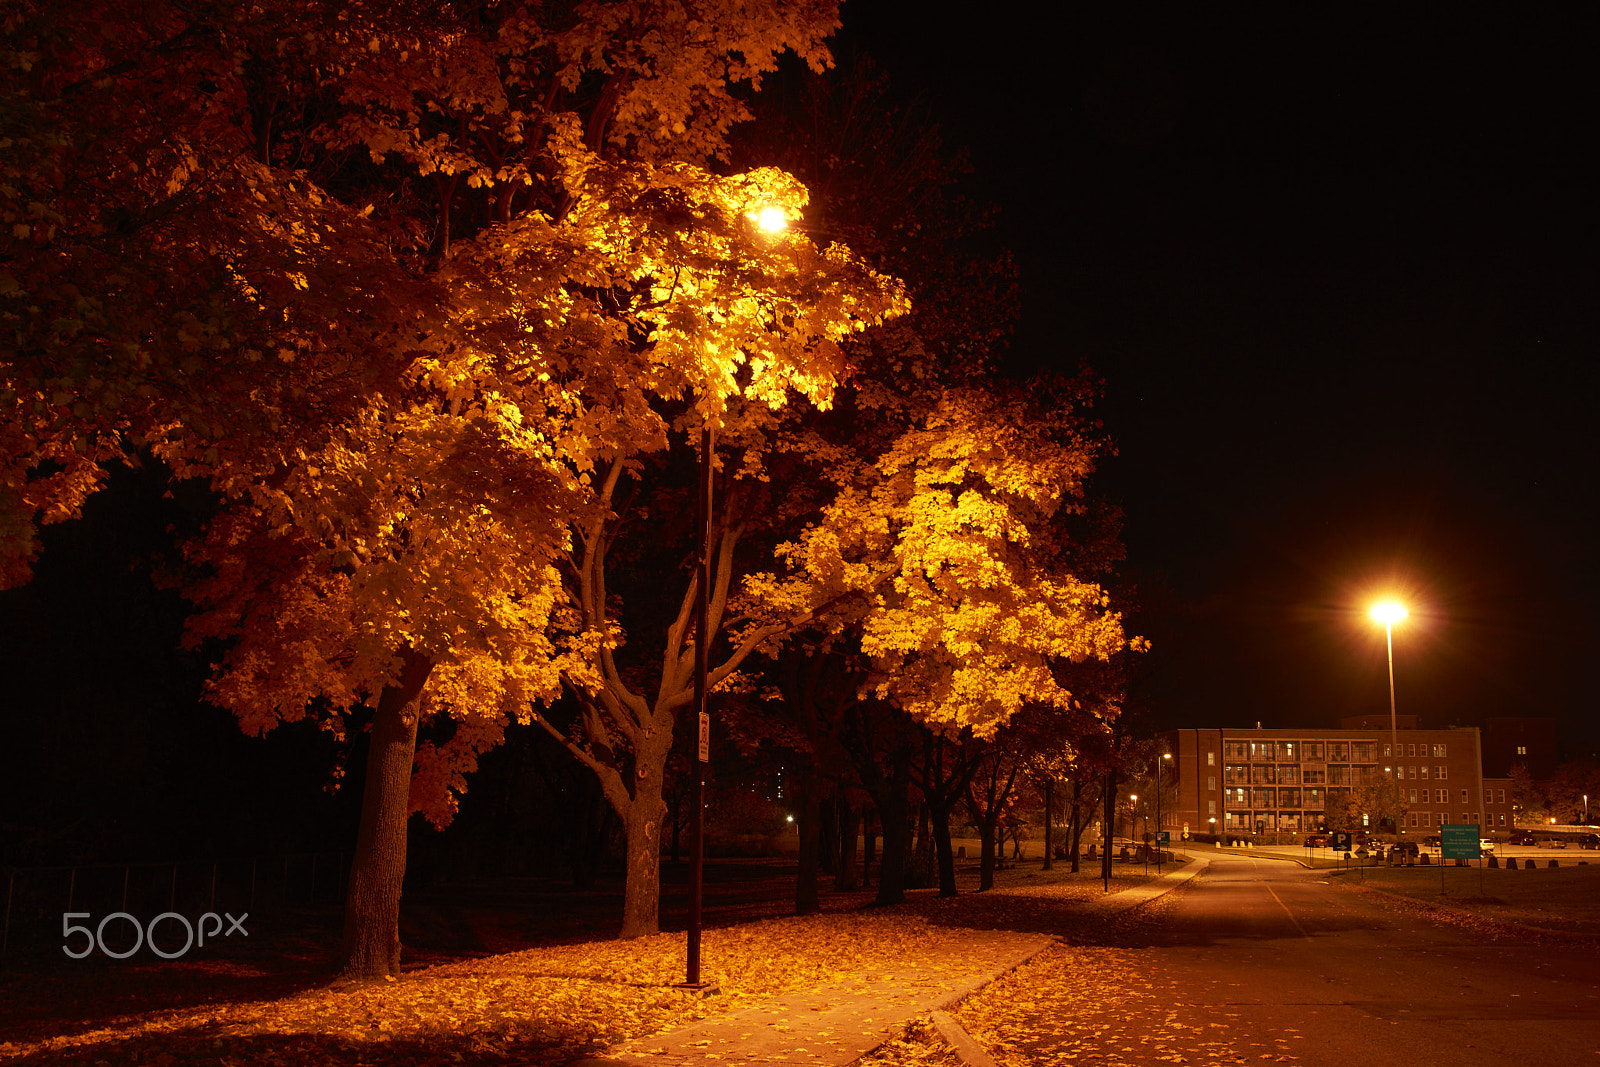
[(37, 899)]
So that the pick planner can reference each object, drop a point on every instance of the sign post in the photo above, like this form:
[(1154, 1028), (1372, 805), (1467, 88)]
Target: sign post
[(1457, 842)]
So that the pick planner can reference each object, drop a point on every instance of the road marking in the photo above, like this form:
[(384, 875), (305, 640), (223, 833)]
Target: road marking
[(1287, 912)]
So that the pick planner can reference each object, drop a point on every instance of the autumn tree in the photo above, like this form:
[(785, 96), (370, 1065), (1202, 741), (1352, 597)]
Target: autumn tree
[(162, 288), (1568, 788), (403, 403), (1528, 803), (935, 559)]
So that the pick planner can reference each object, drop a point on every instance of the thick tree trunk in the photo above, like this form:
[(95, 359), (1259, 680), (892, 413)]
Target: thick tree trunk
[(945, 852), (987, 832), (868, 851), (806, 900), (827, 837), (848, 876), (372, 905), (920, 875), (1049, 822), (1075, 827), (895, 815), (641, 896)]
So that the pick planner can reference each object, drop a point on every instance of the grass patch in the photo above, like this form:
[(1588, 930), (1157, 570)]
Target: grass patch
[(1564, 899)]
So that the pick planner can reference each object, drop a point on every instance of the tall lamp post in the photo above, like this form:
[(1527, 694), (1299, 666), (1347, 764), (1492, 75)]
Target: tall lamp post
[(1390, 612), (1167, 756), (771, 221)]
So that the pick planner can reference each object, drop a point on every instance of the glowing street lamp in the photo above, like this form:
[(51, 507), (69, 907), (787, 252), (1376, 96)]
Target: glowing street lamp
[(770, 220), (1390, 612)]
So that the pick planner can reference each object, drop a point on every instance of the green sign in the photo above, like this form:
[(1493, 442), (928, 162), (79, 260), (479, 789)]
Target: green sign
[(1459, 842), (1164, 837)]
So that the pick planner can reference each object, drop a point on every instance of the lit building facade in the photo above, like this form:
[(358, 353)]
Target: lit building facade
[(1277, 785)]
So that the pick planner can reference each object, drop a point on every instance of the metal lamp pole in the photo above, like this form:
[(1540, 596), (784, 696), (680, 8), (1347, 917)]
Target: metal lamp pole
[(702, 612), (1390, 613)]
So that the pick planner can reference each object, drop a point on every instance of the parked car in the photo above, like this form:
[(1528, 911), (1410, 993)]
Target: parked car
[(1485, 847), (1589, 840), (1403, 850), (1432, 840), (1522, 837), (1553, 842), (1317, 841)]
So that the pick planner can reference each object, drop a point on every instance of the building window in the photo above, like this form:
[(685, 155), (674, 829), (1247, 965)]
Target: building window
[(1211, 784), (1413, 818), (1438, 750), (1413, 750), (1385, 751), (1500, 797), (1424, 774), (1311, 750), (1286, 750), (1211, 807), (1438, 772), (1411, 771), (1413, 800), (1502, 818), (1442, 799), (1463, 796), (1339, 752), (1522, 750), (1211, 759)]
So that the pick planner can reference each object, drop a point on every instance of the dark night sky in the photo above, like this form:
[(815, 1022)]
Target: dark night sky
[(1337, 267)]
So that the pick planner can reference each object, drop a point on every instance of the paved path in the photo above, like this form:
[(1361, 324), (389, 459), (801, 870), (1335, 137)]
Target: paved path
[(838, 1023)]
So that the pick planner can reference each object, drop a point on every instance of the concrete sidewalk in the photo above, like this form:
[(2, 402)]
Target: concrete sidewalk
[(838, 1023)]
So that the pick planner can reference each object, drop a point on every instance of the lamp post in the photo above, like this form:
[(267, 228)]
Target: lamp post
[(1390, 612), (1167, 756), (1214, 842), (770, 220)]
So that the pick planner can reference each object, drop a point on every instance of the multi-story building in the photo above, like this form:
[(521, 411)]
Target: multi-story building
[(1275, 785)]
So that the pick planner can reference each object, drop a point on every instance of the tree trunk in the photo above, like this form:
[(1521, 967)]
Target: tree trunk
[(806, 900), (945, 851), (1075, 826), (1049, 820), (894, 812), (827, 836), (849, 827), (1111, 826), (372, 905), (868, 848), (986, 849), (922, 861), (641, 896)]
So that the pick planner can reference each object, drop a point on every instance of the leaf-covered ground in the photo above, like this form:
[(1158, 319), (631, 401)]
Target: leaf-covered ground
[(1107, 1008), (1563, 900), (542, 1005)]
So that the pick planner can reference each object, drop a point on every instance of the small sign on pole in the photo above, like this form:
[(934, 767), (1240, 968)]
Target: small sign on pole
[(705, 737)]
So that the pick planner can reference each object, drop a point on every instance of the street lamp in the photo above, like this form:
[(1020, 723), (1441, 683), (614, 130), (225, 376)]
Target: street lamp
[(1167, 756), (1390, 612), (770, 220)]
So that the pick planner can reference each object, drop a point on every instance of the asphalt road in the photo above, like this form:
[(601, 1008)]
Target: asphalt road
[(1260, 960)]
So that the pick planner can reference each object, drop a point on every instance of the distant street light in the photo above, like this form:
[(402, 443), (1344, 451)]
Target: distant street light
[(1389, 612), (1167, 756)]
